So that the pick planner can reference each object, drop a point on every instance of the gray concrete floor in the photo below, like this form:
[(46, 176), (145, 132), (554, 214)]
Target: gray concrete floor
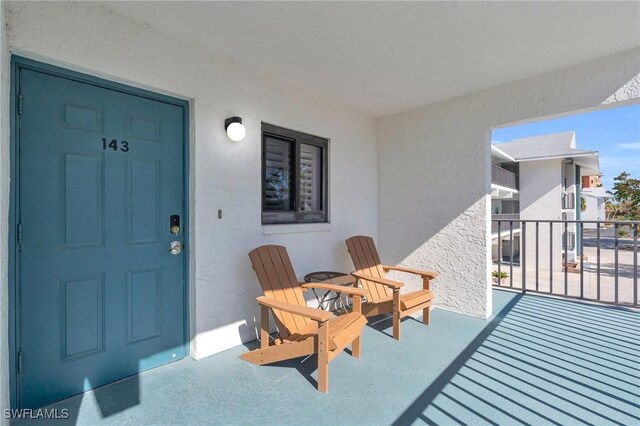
[(538, 360)]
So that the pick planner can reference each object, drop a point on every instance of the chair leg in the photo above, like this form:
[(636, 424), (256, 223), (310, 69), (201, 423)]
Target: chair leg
[(426, 312), (323, 357), (264, 327), (356, 345), (426, 315), (396, 314)]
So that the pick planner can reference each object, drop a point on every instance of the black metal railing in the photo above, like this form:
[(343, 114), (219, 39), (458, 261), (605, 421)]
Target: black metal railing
[(588, 260), (503, 177), (568, 201)]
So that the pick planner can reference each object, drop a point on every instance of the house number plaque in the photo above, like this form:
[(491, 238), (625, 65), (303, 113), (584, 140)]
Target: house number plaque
[(114, 145)]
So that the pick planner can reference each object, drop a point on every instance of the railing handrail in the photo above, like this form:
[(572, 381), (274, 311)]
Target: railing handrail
[(613, 222)]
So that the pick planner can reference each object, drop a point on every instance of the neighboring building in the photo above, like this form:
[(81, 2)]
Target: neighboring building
[(505, 203), (591, 181), (595, 198), (539, 178)]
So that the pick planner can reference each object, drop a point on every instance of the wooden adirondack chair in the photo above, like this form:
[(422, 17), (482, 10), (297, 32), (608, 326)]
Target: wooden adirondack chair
[(301, 330), (383, 295)]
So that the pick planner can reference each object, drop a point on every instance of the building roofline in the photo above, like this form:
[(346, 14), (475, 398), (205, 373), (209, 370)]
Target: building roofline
[(501, 152), (561, 156)]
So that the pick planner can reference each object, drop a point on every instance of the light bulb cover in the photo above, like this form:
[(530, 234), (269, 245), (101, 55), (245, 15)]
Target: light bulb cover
[(235, 129)]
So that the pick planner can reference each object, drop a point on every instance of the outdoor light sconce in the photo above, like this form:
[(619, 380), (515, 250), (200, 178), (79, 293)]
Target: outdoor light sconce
[(235, 129)]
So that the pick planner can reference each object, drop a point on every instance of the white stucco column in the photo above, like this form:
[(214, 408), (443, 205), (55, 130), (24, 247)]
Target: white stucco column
[(435, 171)]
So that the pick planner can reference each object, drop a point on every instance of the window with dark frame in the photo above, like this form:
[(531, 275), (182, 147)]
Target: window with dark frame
[(294, 176)]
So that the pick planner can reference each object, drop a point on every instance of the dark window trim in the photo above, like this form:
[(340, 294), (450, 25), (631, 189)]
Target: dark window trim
[(296, 216)]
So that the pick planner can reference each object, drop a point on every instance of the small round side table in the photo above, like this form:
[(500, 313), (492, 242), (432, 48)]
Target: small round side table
[(325, 301)]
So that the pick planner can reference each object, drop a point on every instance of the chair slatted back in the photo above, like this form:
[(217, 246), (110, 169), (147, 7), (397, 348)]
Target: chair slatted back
[(366, 261), (278, 281)]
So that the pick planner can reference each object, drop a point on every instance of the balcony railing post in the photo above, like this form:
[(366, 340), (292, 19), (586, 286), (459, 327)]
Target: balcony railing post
[(551, 257), (511, 254), (499, 254), (537, 241), (598, 259), (566, 258), (635, 264), (581, 262), (523, 254), (615, 262)]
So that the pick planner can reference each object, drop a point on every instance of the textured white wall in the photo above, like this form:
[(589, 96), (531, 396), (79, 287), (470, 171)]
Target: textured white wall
[(541, 189), (541, 198), (435, 179), (224, 174)]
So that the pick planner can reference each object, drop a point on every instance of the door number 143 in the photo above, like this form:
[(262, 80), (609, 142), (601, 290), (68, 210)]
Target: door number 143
[(124, 145)]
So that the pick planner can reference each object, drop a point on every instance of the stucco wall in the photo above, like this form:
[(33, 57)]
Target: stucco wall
[(541, 189), (435, 175), (541, 198), (224, 174)]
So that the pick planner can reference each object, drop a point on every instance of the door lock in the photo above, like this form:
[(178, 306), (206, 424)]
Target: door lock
[(174, 224), (175, 248)]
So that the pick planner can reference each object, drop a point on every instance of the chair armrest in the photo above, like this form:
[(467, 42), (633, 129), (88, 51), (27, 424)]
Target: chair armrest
[(305, 311), (352, 291), (428, 274), (383, 281)]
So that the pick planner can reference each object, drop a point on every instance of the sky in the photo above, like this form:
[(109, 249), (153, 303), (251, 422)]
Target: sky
[(614, 133)]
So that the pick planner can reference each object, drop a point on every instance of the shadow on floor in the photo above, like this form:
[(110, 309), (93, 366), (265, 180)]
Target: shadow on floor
[(306, 366), (541, 360), (537, 361), (415, 410)]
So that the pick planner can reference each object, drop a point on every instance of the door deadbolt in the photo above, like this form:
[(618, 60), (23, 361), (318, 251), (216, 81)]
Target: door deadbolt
[(175, 248), (174, 224)]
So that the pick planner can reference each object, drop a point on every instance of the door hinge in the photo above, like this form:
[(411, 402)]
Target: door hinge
[(20, 362), (20, 105), (19, 235)]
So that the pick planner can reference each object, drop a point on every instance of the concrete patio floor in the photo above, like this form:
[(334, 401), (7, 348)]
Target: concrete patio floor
[(536, 361)]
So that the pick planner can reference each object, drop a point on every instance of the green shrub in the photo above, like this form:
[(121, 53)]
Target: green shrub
[(502, 275), (623, 233)]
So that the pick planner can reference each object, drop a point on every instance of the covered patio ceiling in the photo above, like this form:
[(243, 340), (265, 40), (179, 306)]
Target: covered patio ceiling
[(387, 57)]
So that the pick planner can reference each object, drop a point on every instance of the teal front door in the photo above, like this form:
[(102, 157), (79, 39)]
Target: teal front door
[(100, 185)]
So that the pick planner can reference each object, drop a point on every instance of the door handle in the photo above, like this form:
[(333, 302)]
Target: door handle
[(175, 248)]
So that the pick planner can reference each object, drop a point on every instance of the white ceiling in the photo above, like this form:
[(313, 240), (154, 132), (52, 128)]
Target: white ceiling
[(387, 57)]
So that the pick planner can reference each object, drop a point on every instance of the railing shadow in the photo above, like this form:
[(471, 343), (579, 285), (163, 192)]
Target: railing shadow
[(533, 365), (416, 409)]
